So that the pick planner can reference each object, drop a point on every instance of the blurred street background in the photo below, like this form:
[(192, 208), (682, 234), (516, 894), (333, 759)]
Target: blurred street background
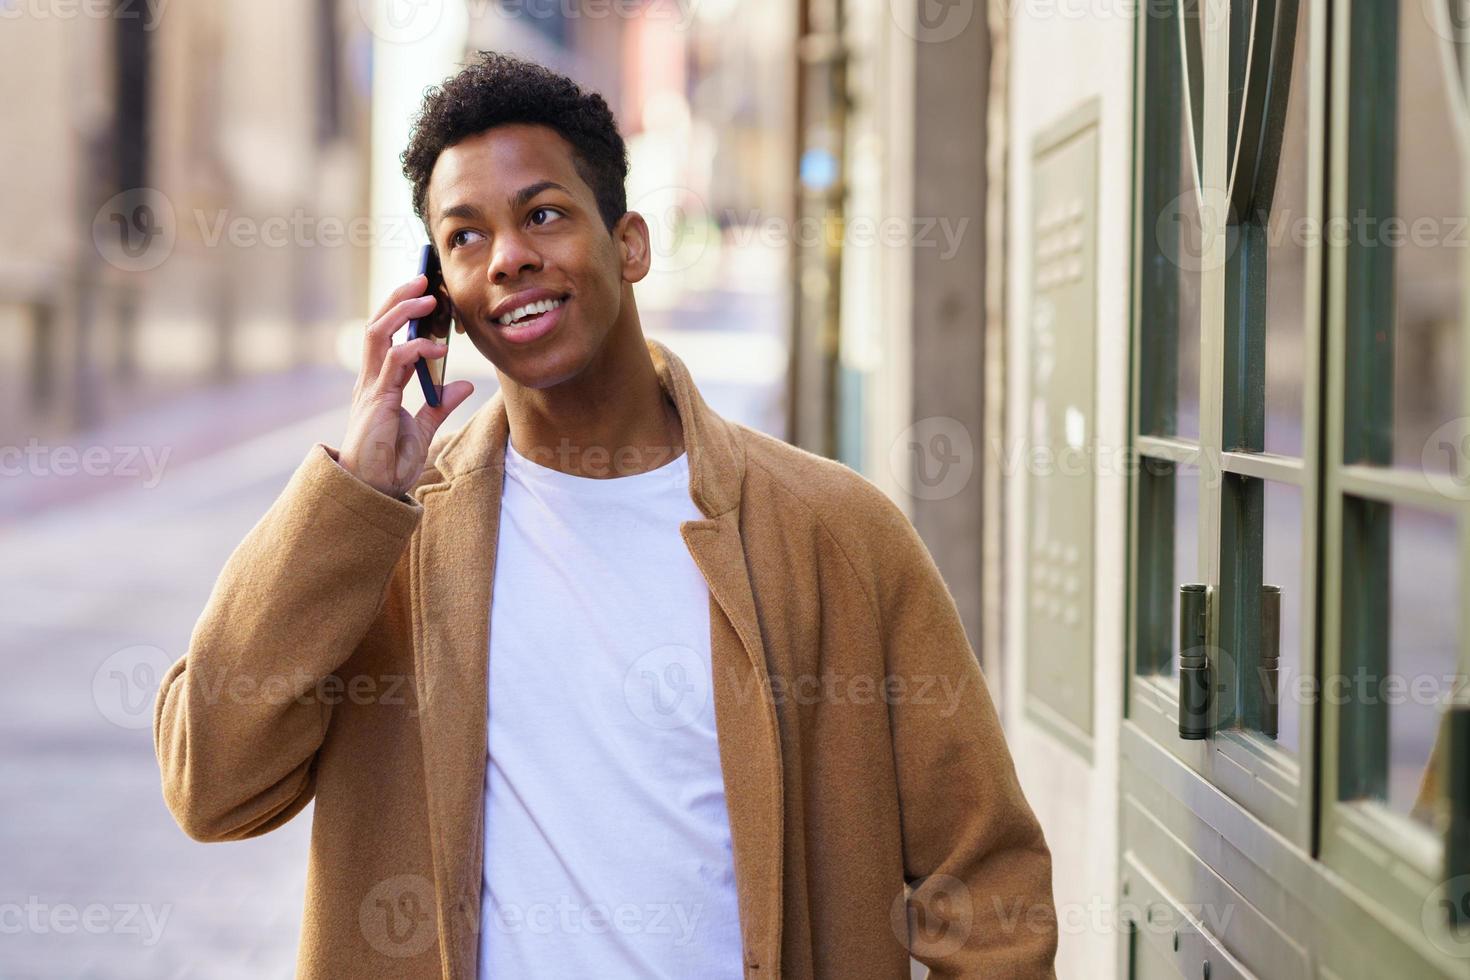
[(205, 206), (969, 248)]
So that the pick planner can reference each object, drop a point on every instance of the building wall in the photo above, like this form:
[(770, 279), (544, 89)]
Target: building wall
[(877, 278), (1059, 62), (243, 276), (948, 261)]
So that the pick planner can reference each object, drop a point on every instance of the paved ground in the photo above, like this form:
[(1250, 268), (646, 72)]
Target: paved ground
[(102, 582), (84, 822)]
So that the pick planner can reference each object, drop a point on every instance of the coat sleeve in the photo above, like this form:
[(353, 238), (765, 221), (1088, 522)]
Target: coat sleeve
[(238, 720), (973, 850)]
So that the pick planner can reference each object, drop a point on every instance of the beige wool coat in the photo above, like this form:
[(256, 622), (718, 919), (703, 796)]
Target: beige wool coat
[(342, 658)]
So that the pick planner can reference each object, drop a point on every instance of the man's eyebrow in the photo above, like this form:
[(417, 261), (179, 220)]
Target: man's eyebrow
[(459, 211), (524, 195), (521, 198)]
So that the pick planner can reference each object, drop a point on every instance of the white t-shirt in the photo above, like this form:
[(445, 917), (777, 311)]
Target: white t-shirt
[(607, 840)]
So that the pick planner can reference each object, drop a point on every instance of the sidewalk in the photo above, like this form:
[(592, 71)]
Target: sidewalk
[(101, 594)]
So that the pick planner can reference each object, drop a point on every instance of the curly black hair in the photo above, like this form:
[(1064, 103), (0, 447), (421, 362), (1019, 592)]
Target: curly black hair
[(497, 89)]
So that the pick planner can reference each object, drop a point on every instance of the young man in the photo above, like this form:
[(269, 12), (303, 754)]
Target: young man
[(721, 713)]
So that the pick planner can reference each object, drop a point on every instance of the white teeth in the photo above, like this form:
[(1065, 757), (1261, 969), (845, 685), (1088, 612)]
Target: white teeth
[(530, 309)]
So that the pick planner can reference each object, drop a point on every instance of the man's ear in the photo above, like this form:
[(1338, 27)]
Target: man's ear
[(631, 237)]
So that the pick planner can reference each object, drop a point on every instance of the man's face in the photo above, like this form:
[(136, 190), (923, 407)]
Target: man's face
[(514, 223)]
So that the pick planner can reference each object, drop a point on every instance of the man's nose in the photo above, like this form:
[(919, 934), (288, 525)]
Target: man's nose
[(512, 256)]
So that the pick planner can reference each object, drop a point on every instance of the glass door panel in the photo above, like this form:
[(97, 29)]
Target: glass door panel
[(1396, 531), (1244, 523)]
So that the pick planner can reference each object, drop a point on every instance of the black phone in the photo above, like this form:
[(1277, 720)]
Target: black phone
[(436, 324)]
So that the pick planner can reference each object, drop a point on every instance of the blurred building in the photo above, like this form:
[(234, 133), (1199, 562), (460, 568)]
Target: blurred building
[(193, 178), (1183, 419)]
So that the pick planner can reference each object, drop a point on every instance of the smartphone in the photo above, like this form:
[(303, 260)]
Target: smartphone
[(436, 325)]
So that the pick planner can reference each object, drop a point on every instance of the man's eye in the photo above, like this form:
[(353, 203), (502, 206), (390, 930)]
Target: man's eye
[(455, 240), (551, 215)]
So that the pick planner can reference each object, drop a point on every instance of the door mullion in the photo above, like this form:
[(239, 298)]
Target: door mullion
[(1215, 220)]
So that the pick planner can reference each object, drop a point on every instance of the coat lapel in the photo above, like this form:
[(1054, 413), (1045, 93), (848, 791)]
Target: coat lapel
[(453, 565), (750, 747), (454, 568)]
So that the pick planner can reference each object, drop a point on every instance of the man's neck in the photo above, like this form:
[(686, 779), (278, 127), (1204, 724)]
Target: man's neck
[(612, 420)]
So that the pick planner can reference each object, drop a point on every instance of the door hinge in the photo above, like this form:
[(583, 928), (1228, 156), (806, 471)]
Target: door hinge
[(1194, 661)]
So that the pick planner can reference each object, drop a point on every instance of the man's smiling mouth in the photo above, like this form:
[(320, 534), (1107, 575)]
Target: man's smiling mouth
[(529, 310)]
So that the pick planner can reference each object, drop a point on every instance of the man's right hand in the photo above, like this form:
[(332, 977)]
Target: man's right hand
[(386, 447)]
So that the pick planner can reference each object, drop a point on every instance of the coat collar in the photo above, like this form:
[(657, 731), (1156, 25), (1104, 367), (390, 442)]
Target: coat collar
[(716, 457), (453, 571)]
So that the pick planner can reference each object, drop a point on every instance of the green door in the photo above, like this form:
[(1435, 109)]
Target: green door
[(1300, 424)]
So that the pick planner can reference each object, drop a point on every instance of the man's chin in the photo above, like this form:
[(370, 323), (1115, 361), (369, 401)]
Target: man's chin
[(536, 366)]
